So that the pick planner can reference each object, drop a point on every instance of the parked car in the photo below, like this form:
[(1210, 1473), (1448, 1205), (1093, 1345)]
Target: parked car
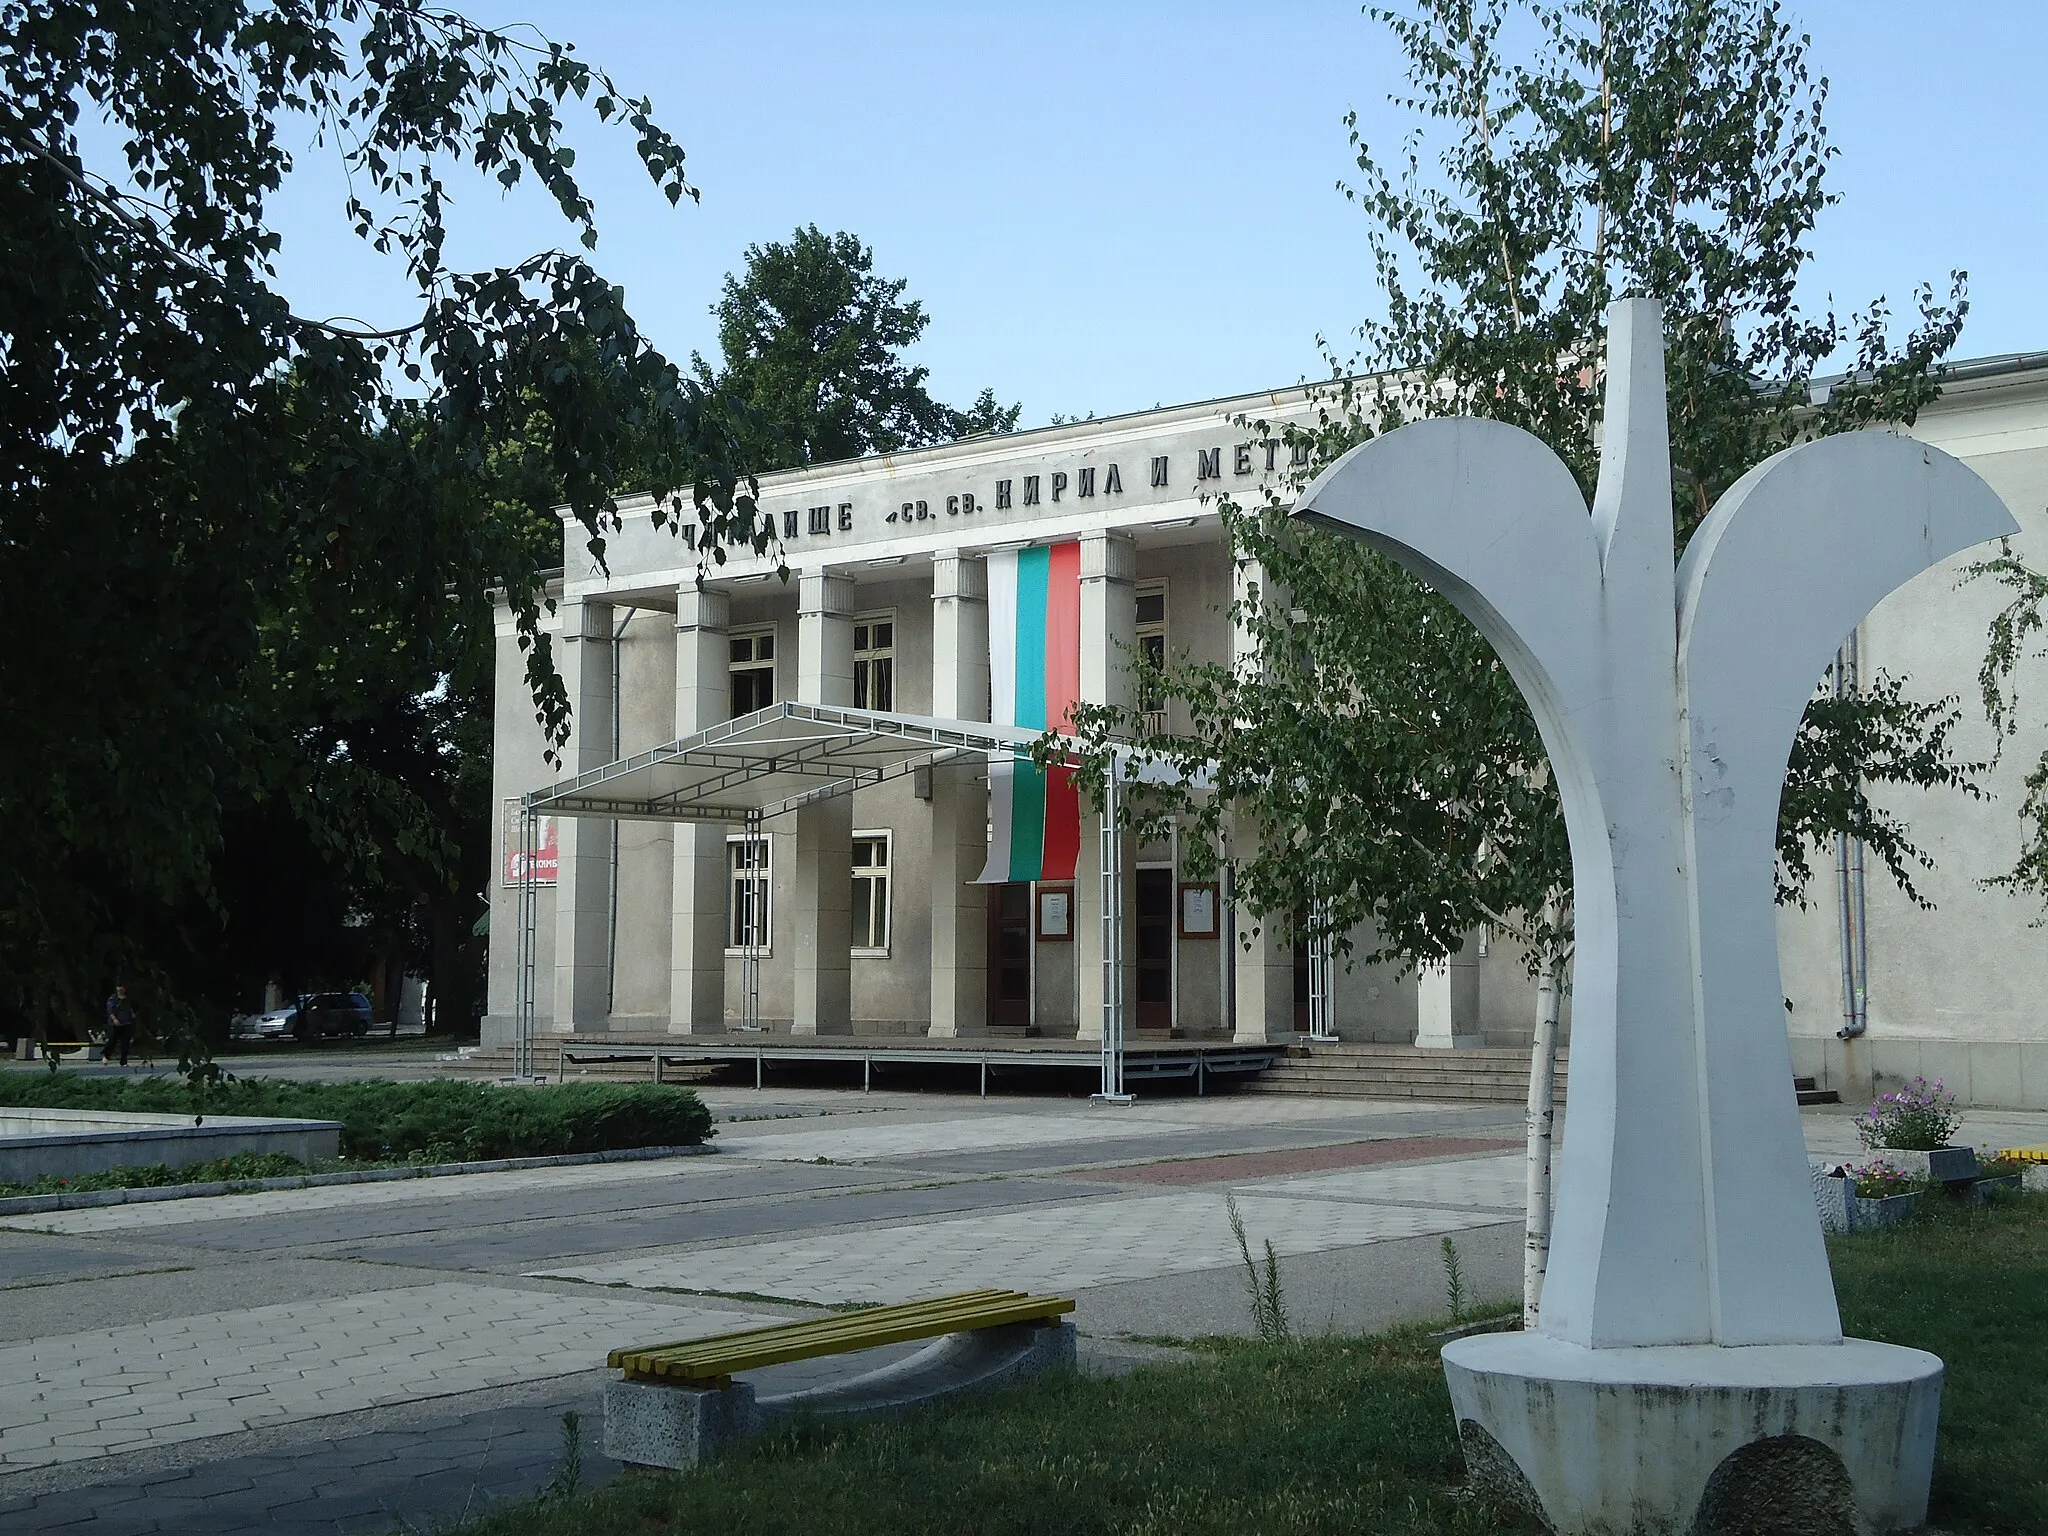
[(311, 1016)]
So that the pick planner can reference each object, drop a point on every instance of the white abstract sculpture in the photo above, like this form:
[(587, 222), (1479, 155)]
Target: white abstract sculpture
[(1688, 1311)]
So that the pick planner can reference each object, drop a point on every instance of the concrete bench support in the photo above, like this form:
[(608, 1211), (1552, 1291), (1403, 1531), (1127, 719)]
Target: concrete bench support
[(650, 1424)]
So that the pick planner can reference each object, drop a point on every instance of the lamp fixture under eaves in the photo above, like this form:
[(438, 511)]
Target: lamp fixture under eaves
[(886, 560), (1178, 522)]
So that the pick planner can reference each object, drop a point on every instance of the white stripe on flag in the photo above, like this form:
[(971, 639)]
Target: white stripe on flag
[(1002, 636), (1002, 691), (1002, 795)]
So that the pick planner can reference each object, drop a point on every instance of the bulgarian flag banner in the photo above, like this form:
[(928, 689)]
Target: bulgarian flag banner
[(1034, 664)]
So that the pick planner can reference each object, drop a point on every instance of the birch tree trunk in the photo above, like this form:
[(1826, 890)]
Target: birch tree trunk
[(1541, 1118)]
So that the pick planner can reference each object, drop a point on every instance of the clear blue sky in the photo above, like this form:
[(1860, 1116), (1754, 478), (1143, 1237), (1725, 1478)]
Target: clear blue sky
[(1105, 207)]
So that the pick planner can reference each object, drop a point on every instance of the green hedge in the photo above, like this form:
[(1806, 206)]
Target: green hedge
[(436, 1121)]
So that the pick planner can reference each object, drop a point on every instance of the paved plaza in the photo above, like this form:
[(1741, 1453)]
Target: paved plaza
[(363, 1358)]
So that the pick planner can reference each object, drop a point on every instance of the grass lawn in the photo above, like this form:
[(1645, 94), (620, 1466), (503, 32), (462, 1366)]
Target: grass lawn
[(1339, 1435)]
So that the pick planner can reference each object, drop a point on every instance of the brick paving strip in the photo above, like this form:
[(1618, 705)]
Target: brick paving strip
[(1232, 1167)]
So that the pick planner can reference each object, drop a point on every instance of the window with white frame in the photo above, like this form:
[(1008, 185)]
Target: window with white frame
[(874, 662), (1152, 648), (749, 888), (871, 893), (753, 670)]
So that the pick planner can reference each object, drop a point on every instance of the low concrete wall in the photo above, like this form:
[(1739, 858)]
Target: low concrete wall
[(68, 1142), (1983, 1074)]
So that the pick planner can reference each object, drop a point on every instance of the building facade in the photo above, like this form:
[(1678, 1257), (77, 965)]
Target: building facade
[(862, 908)]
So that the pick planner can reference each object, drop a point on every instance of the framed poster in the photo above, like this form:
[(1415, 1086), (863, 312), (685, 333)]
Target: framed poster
[(1056, 914), (1198, 910), (547, 854)]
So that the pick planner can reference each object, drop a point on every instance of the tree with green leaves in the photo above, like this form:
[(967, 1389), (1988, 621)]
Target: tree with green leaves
[(812, 340), (1564, 155), (234, 532)]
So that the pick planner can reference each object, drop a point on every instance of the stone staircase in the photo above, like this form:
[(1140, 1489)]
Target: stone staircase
[(1357, 1071)]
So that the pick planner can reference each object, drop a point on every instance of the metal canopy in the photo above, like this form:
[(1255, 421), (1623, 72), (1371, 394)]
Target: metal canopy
[(789, 755), (769, 763)]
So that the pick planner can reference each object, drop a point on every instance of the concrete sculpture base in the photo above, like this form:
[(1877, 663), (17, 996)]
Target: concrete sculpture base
[(1699, 1440), (649, 1424)]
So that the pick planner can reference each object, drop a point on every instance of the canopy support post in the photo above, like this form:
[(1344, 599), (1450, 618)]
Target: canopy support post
[(524, 962), (1112, 871), (758, 897), (1321, 968)]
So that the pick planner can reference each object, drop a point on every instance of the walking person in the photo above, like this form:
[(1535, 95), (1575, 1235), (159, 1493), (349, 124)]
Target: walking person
[(120, 1023)]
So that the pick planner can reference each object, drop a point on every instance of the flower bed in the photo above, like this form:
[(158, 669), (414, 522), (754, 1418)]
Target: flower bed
[(1920, 1117)]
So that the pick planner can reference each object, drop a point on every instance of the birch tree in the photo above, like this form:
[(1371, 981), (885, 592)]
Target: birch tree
[(1561, 156)]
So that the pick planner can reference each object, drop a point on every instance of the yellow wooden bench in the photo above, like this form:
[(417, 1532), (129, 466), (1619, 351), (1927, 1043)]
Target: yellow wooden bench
[(675, 1405), (2024, 1154), (712, 1362)]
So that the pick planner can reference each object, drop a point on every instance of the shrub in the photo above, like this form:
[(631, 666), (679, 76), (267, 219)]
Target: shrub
[(420, 1122), (243, 1165), (1917, 1118)]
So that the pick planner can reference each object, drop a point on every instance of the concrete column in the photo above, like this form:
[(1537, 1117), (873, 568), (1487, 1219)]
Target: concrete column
[(1109, 633), (583, 886), (959, 970), (1265, 961), (696, 983), (820, 930), (1447, 1002), (1264, 991)]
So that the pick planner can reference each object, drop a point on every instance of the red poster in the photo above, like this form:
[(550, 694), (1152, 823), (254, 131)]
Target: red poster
[(547, 854)]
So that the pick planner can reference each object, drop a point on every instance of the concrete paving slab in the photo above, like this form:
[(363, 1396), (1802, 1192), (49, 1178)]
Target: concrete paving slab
[(240, 1370), (520, 1248), (1059, 1248), (1341, 1290), (34, 1258), (1498, 1184), (401, 1193)]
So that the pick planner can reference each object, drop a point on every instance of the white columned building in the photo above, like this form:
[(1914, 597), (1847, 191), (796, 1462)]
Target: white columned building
[(868, 920)]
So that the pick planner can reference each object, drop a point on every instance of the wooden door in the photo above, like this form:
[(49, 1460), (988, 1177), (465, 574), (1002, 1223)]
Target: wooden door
[(1009, 956), (1152, 933)]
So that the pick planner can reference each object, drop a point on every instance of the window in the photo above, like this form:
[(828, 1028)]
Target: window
[(874, 662), (753, 671), (871, 893), (1152, 647), (749, 893)]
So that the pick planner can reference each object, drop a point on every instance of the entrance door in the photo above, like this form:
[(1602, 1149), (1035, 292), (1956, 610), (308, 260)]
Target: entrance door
[(1154, 951), (1009, 956)]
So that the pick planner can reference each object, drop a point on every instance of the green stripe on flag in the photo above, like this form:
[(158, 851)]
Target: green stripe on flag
[(1027, 820)]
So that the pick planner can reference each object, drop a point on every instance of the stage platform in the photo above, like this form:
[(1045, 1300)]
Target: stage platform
[(1145, 1060)]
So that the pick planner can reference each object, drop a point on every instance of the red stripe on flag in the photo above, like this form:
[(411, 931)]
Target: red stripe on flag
[(1062, 637), (1062, 823)]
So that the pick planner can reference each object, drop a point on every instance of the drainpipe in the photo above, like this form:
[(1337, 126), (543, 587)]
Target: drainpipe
[(611, 925), (1850, 909)]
